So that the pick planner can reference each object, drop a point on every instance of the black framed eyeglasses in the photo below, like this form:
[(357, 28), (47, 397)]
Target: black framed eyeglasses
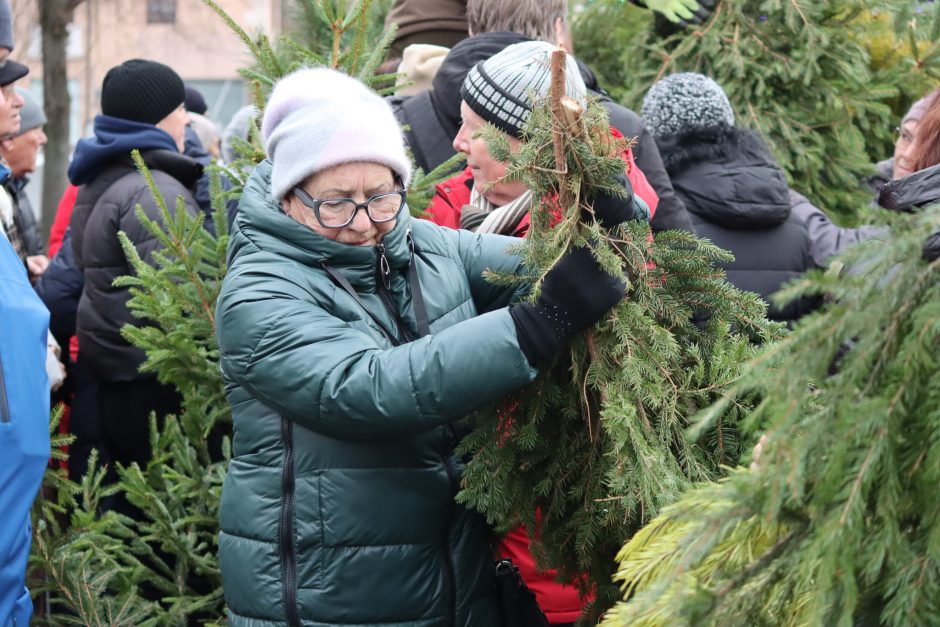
[(336, 213)]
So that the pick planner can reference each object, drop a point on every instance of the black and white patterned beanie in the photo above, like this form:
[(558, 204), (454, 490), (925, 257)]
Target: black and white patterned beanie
[(683, 102), (501, 89)]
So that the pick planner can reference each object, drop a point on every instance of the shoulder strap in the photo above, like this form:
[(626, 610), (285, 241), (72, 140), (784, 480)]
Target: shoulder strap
[(343, 282)]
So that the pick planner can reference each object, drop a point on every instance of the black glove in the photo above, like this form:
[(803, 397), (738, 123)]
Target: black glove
[(931, 248), (612, 210), (576, 293)]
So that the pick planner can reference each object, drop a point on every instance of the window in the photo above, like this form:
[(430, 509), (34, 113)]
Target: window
[(161, 11)]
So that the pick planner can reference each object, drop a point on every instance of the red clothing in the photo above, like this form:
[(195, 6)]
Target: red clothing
[(561, 603), (454, 193), (63, 214)]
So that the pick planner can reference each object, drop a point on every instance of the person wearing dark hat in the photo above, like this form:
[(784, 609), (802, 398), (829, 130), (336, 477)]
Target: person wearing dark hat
[(477, 199), (501, 90), (20, 152), (737, 194), (194, 101), (141, 109)]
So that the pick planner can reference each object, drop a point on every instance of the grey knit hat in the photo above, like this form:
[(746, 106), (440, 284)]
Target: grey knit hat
[(31, 114), (683, 102), (501, 89)]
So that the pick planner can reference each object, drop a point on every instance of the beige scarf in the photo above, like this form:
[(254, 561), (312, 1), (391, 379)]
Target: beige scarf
[(483, 216)]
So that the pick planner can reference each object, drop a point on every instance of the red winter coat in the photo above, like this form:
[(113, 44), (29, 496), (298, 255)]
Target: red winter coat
[(561, 603)]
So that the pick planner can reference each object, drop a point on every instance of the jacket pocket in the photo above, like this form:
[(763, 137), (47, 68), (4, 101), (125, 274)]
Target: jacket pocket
[(22, 610)]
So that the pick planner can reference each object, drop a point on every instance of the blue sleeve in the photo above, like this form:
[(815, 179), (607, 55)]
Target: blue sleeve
[(24, 425)]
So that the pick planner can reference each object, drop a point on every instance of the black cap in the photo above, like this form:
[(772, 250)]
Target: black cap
[(195, 103), (142, 91), (11, 71)]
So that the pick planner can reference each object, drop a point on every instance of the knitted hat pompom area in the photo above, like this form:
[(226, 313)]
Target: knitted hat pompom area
[(141, 91), (317, 118), (683, 102), (501, 89)]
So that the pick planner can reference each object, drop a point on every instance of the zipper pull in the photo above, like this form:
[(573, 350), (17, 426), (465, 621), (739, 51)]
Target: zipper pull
[(385, 270), (411, 246)]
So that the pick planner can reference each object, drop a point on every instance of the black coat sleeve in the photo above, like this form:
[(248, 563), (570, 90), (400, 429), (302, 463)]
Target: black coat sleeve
[(671, 213)]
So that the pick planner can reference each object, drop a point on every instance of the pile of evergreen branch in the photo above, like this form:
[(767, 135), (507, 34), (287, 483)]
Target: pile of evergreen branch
[(595, 447), (837, 525)]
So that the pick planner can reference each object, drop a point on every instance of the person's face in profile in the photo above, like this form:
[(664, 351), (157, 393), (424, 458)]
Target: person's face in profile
[(486, 170), (904, 150)]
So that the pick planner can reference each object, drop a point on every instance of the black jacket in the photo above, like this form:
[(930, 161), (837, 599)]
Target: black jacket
[(432, 119), (738, 198), (60, 288), (106, 205), (914, 191)]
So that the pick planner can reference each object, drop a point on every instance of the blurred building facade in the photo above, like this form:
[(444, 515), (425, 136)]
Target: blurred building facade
[(185, 34)]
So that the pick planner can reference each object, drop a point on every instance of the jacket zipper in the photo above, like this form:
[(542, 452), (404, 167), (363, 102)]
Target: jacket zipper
[(285, 535), (449, 577), (384, 275), (4, 401)]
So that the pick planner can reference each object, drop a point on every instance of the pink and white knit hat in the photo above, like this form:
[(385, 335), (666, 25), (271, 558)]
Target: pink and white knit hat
[(317, 118)]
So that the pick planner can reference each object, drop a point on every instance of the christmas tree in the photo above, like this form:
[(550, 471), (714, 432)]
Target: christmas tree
[(837, 523), (596, 446), (96, 567), (801, 73)]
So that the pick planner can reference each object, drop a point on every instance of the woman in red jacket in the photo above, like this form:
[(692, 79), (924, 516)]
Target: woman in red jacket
[(498, 91)]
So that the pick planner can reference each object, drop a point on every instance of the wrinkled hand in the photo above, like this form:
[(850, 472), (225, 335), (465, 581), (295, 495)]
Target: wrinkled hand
[(36, 265), (611, 210), (680, 12)]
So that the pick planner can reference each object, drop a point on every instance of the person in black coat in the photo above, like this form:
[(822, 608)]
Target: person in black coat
[(735, 192), (142, 109)]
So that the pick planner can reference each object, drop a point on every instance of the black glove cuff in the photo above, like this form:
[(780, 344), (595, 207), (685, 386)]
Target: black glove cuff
[(542, 329)]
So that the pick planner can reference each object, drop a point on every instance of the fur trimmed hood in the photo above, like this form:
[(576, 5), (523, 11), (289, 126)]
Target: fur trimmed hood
[(728, 176)]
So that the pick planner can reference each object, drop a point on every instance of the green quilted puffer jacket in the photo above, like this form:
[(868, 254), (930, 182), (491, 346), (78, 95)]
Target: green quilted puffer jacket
[(338, 507)]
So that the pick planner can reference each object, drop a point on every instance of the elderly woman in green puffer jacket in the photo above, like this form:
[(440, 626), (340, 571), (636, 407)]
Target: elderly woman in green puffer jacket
[(351, 338)]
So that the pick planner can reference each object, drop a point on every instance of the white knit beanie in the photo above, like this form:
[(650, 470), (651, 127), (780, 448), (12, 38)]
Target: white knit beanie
[(317, 118), (501, 89)]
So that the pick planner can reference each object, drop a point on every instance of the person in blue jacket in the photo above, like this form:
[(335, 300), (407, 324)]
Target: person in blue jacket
[(24, 404), (24, 427)]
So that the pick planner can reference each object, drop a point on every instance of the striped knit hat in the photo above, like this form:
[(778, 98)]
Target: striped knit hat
[(502, 89), (683, 102)]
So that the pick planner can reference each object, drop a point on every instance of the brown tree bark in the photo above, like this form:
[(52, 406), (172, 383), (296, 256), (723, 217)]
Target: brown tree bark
[(54, 18)]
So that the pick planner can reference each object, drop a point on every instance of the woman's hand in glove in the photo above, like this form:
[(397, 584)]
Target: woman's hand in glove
[(576, 293), (611, 210)]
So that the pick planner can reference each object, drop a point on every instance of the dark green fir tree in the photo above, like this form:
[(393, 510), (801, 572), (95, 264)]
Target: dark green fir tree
[(837, 522), (800, 72)]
